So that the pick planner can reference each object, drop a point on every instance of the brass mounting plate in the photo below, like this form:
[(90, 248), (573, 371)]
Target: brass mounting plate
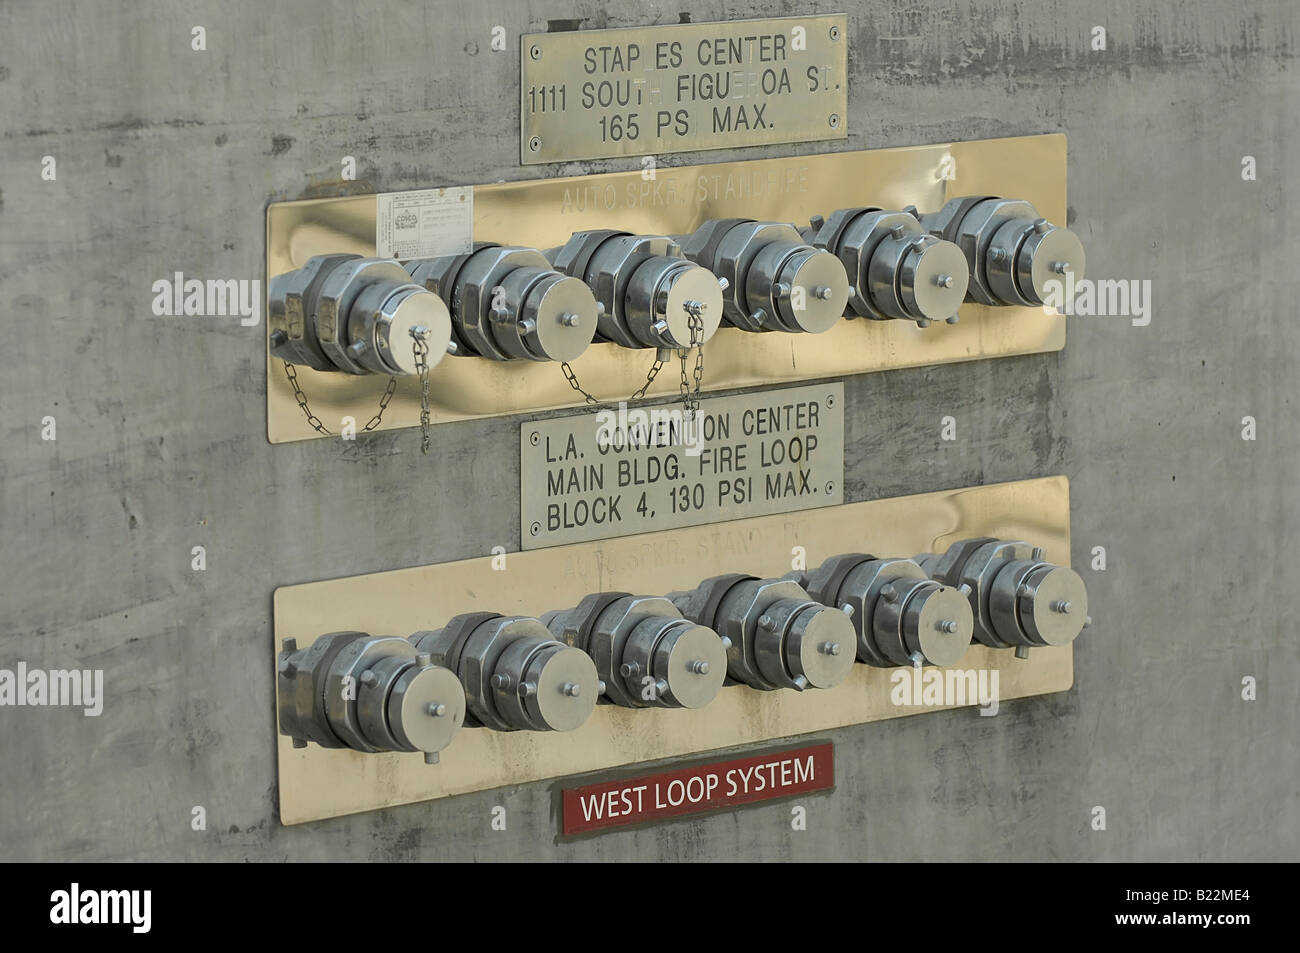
[(544, 212), (317, 782)]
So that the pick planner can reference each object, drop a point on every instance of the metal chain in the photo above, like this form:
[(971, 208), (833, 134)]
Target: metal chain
[(421, 348), (655, 368), (291, 372), (691, 398), (383, 405), (572, 378), (594, 401)]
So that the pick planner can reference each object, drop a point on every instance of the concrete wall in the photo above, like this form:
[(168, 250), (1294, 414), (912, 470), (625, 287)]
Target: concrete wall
[(166, 160)]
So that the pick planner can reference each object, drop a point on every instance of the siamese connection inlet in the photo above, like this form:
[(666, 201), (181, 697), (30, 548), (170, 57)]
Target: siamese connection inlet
[(647, 294), (356, 315), (902, 616), (780, 636), (646, 654), (515, 675), (1012, 252), (896, 270), (1018, 599), (367, 693), (507, 303), (771, 279)]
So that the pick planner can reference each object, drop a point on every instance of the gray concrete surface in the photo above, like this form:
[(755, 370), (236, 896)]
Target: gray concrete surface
[(166, 160)]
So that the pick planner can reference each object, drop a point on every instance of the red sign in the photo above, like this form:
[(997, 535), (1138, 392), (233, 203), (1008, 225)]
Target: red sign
[(706, 787)]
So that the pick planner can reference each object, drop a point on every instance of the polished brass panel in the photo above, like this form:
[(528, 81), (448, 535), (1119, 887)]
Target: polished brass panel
[(645, 91), (544, 212), (317, 783)]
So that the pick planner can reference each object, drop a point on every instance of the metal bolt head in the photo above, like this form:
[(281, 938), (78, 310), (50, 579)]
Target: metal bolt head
[(699, 667), (1061, 605), (436, 709), (765, 622), (943, 281), (830, 648), (947, 625), (572, 689), (889, 593), (500, 682)]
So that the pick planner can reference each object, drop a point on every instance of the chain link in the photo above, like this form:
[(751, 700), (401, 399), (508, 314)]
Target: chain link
[(592, 400), (383, 405), (655, 368), (421, 351), (691, 398), (421, 348), (292, 373)]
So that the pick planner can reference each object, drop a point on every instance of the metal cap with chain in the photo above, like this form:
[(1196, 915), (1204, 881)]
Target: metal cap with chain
[(348, 314)]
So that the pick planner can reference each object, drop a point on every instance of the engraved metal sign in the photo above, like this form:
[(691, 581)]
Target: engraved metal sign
[(643, 469), (591, 94)]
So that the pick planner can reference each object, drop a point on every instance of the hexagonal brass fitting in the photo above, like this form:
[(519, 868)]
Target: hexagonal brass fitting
[(368, 693), (356, 315), (515, 676), (1018, 599), (902, 617), (895, 269), (508, 303), (780, 637), (647, 655), (772, 279), (291, 312), (647, 294), (1013, 253)]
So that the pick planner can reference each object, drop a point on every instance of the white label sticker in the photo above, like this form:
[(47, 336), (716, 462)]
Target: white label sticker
[(424, 223)]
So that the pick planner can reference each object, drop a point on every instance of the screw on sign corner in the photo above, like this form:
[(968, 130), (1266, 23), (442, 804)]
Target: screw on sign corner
[(535, 144), (535, 52), (835, 33), (535, 529), (834, 120), (534, 438)]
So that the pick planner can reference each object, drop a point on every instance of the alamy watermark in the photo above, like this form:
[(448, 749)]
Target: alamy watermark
[(656, 427), (1106, 297), (213, 298), (951, 687), (78, 906), (56, 687)]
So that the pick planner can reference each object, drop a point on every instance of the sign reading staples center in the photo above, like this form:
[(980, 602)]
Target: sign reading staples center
[(641, 469), (706, 787), (592, 94)]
